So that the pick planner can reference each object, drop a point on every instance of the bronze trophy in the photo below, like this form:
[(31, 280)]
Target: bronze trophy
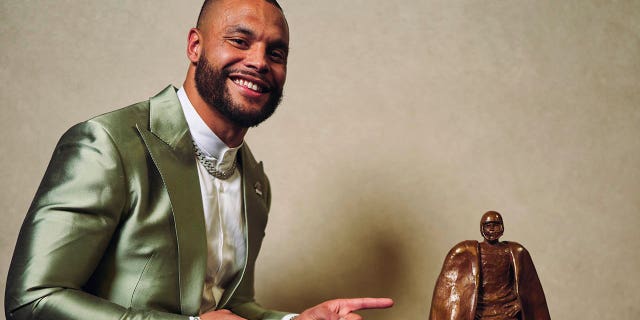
[(488, 280)]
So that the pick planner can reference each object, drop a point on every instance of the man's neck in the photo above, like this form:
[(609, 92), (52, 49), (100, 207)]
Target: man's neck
[(231, 134)]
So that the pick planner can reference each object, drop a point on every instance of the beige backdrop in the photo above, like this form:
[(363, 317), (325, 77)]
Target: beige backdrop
[(403, 122)]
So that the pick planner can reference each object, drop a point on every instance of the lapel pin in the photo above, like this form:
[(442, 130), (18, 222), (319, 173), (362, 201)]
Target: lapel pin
[(258, 188)]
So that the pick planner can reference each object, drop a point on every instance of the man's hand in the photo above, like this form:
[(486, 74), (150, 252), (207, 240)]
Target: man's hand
[(221, 314), (341, 309)]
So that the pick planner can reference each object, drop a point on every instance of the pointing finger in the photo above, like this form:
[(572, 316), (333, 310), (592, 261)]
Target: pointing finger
[(346, 306)]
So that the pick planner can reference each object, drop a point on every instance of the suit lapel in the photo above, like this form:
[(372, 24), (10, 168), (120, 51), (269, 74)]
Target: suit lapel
[(169, 144), (255, 209)]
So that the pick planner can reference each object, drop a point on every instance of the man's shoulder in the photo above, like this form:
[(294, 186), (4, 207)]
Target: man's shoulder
[(116, 126), (139, 112), (132, 114), (126, 118)]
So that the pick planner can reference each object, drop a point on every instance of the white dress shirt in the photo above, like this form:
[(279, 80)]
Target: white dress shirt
[(222, 203)]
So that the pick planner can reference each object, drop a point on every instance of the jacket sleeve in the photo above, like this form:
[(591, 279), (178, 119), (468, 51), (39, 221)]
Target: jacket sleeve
[(66, 231)]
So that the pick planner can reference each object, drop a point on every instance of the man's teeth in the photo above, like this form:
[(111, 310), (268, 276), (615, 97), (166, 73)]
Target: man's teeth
[(248, 84)]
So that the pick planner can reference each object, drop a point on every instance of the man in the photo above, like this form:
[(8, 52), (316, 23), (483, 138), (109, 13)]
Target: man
[(158, 210), (491, 280)]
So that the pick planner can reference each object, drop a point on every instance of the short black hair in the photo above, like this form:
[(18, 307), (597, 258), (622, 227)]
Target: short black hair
[(207, 3)]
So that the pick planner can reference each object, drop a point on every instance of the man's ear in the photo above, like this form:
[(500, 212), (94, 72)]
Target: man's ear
[(194, 46)]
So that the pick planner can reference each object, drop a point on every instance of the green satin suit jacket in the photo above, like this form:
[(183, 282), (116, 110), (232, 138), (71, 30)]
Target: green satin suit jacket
[(116, 229)]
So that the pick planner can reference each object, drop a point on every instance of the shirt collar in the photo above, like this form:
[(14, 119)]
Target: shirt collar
[(211, 145)]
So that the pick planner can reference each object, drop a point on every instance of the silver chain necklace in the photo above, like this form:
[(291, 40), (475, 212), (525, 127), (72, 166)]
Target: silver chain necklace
[(210, 164)]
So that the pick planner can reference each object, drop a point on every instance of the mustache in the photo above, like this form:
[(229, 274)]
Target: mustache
[(257, 75)]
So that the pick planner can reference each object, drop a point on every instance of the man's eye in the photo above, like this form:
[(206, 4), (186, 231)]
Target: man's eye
[(239, 42), (278, 56)]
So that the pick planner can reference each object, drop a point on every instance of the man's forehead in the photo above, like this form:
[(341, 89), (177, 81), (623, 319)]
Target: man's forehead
[(259, 13)]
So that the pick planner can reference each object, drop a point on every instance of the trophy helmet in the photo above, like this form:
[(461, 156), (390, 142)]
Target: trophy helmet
[(491, 217)]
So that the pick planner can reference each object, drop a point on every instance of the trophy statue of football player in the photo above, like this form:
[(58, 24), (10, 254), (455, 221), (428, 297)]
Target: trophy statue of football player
[(488, 280)]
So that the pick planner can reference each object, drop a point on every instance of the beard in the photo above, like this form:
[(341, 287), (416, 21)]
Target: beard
[(211, 85)]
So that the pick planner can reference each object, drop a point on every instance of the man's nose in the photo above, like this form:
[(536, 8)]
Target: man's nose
[(256, 59)]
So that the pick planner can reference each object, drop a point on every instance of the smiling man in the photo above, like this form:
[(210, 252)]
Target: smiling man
[(158, 210)]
